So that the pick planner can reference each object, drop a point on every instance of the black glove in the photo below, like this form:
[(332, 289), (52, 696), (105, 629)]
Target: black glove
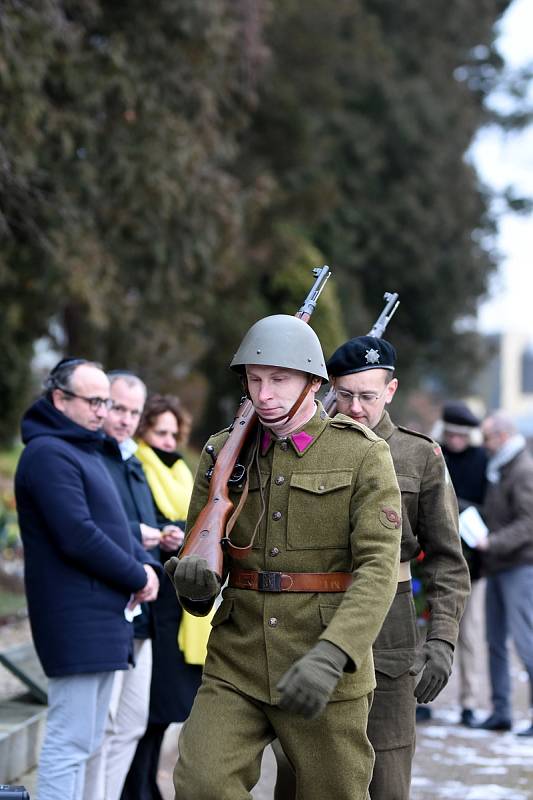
[(192, 577), (434, 663), (307, 686)]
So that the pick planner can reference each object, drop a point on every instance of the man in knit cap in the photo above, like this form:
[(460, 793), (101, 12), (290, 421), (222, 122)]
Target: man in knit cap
[(467, 463)]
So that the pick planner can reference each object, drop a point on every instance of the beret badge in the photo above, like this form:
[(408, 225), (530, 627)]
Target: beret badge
[(372, 356)]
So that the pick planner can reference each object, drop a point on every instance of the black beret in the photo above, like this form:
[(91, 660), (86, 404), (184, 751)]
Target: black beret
[(458, 414), (360, 354)]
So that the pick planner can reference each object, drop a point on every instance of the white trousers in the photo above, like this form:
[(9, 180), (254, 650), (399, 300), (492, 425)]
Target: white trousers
[(471, 644), (75, 723), (126, 722)]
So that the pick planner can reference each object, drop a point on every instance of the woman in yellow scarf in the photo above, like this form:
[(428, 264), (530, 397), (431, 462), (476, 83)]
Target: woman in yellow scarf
[(179, 640)]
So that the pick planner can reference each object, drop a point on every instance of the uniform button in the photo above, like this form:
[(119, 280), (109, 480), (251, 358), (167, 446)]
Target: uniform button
[(279, 480), (274, 551), (277, 515), (273, 622), (284, 445), (321, 487)]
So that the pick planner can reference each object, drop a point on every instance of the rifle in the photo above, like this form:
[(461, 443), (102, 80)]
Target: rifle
[(206, 535), (379, 326), (378, 329)]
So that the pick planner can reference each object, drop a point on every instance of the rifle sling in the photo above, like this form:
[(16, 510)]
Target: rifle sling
[(303, 394), (233, 550), (242, 552)]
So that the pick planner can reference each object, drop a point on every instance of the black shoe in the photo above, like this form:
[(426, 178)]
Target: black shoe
[(495, 723), (467, 718), (527, 732), (423, 713)]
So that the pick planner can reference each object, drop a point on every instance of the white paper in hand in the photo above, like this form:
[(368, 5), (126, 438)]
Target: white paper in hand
[(471, 527), (132, 611)]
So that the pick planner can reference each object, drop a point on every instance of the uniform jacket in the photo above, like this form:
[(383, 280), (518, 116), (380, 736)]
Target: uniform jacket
[(331, 504), (81, 562), (429, 523), (508, 513)]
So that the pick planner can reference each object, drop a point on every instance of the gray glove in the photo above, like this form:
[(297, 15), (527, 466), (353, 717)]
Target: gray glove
[(192, 577), (434, 663), (307, 686)]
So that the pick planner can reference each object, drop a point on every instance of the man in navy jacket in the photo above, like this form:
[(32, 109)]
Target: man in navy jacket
[(82, 567)]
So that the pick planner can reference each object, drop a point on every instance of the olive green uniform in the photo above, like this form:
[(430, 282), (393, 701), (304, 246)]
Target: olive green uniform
[(429, 523), (331, 505)]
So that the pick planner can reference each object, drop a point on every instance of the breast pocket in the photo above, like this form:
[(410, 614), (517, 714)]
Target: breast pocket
[(318, 515)]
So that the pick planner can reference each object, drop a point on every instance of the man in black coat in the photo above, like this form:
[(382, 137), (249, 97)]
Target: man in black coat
[(467, 463), (82, 566)]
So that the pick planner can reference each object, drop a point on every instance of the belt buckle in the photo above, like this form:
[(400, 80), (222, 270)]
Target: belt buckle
[(269, 582)]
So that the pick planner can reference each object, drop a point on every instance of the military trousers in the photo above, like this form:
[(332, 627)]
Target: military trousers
[(222, 743), (391, 779), (391, 723)]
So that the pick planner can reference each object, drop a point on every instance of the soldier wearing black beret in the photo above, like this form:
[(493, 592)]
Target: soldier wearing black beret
[(362, 371)]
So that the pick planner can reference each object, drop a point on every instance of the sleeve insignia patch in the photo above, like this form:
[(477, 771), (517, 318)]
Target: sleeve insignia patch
[(390, 518)]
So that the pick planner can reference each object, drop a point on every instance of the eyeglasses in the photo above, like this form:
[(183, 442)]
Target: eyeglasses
[(93, 402), (365, 398)]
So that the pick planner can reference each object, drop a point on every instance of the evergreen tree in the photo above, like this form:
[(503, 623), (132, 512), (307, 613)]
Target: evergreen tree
[(170, 173)]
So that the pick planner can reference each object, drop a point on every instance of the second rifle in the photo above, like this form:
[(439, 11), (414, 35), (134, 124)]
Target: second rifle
[(378, 329)]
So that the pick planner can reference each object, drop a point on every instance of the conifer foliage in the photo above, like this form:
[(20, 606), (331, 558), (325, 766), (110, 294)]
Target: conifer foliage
[(170, 171)]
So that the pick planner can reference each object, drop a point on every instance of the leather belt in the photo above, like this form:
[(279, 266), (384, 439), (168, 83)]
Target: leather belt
[(404, 571), (289, 581)]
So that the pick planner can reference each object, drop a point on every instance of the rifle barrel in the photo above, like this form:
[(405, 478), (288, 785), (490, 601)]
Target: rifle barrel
[(378, 329), (322, 274)]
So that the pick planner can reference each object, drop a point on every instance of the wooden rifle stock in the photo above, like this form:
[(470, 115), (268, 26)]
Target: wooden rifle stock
[(205, 537), (207, 532)]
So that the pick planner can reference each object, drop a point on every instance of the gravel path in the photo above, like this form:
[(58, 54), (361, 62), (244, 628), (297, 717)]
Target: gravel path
[(451, 762)]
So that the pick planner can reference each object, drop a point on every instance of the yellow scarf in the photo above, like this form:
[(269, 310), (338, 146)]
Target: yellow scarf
[(171, 488)]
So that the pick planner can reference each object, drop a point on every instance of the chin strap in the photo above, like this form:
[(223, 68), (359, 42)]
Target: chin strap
[(286, 417)]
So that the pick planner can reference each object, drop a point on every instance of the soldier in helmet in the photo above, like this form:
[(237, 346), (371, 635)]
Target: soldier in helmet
[(290, 653), (362, 371)]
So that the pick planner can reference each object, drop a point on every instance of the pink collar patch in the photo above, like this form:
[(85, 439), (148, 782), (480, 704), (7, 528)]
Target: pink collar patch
[(302, 440), (265, 442)]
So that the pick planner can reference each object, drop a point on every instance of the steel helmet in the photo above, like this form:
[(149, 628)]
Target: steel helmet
[(281, 341)]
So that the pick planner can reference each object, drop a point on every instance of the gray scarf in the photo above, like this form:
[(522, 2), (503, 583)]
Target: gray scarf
[(506, 453)]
